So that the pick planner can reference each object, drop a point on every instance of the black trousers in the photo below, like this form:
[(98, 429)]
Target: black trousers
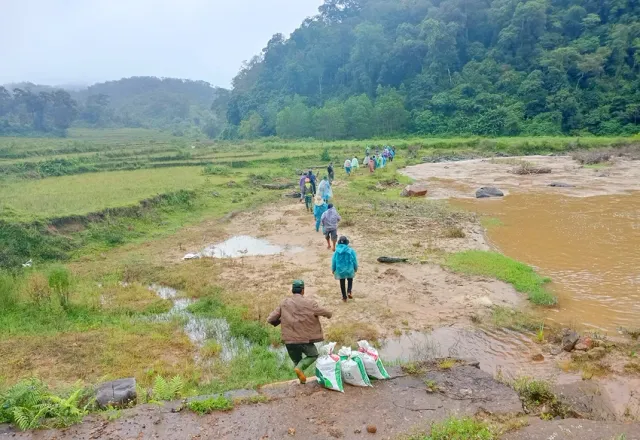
[(348, 288)]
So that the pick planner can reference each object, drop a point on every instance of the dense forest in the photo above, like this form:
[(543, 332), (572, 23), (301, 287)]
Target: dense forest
[(180, 106), (362, 68)]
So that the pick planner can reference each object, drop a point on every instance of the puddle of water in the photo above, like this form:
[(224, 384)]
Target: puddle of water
[(589, 247), (243, 246), (199, 329), (499, 352)]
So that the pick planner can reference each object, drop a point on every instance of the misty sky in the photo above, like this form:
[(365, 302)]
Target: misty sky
[(85, 41)]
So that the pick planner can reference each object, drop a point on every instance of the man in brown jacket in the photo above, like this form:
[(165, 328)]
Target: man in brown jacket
[(301, 327)]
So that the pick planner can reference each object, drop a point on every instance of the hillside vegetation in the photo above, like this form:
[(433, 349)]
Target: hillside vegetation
[(363, 68), (179, 106)]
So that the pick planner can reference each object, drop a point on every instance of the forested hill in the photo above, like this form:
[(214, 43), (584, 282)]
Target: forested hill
[(487, 67), (181, 106)]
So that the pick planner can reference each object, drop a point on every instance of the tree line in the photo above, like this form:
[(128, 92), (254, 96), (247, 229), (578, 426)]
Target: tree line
[(485, 67), (180, 106)]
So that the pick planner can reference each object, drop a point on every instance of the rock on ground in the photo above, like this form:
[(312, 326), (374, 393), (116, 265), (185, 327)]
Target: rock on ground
[(488, 191), (569, 339), (116, 393), (415, 190)]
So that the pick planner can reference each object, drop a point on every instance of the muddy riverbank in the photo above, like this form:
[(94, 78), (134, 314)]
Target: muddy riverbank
[(585, 235)]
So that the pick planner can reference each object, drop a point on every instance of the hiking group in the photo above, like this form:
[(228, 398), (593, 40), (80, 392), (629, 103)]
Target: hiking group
[(299, 317)]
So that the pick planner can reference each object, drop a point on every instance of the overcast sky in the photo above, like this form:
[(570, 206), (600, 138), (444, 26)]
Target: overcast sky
[(85, 41)]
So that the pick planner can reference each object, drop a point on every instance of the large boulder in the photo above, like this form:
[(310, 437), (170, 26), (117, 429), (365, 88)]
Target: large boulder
[(116, 393), (415, 190), (569, 339), (488, 191)]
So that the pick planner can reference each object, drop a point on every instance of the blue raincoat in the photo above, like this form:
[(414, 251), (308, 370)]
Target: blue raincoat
[(324, 189), (318, 210), (345, 263)]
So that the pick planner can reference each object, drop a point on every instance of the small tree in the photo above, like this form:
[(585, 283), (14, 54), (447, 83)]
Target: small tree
[(60, 283)]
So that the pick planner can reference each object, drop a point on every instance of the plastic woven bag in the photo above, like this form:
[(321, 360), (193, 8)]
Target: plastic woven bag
[(372, 363), (328, 368), (353, 370)]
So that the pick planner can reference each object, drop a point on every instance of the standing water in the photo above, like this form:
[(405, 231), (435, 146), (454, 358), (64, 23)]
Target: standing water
[(589, 247), (241, 246)]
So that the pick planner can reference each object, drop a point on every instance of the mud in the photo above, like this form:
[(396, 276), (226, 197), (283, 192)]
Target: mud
[(621, 177), (412, 296), (398, 406)]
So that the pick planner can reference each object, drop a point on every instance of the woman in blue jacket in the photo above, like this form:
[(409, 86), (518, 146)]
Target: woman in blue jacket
[(344, 266), (319, 208)]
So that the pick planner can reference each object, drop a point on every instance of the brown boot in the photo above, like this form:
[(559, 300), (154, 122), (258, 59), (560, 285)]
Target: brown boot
[(301, 376)]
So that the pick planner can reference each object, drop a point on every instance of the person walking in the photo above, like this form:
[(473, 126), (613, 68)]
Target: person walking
[(324, 189), (308, 194), (347, 167), (344, 266), (303, 179), (319, 208), (330, 172), (299, 320), (312, 178), (372, 164), (329, 222), (354, 164)]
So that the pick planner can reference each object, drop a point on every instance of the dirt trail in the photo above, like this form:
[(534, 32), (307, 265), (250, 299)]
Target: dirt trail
[(411, 296), (395, 407)]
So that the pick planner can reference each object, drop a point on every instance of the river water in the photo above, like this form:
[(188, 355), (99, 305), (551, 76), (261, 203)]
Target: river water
[(588, 246)]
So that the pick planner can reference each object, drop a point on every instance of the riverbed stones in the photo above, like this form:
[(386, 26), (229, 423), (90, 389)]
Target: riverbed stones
[(569, 339), (116, 393), (538, 357), (488, 191), (415, 190)]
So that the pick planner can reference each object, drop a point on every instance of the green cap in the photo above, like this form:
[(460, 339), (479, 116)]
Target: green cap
[(298, 284)]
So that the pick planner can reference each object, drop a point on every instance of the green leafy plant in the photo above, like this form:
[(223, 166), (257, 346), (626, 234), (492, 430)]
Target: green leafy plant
[(206, 406), (540, 334), (168, 389), (60, 283), (455, 428), (30, 405), (325, 156)]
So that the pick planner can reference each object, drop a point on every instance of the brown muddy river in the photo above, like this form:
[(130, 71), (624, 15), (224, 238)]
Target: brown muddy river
[(588, 246)]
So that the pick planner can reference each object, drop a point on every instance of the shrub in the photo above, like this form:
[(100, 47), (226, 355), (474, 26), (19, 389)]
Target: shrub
[(30, 405), (529, 168), (216, 170), (325, 156), (592, 157), (37, 288), (168, 389), (8, 291), (206, 406), (60, 283), (454, 232), (455, 428)]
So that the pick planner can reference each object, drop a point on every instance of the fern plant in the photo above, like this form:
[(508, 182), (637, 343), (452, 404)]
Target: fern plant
[(168, 389), (30, 405)]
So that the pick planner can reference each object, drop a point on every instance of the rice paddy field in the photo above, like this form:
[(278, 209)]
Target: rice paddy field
[(86, 223)]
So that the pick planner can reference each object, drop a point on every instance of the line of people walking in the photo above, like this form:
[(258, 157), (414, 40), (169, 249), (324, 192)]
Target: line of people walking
[(298, 316)]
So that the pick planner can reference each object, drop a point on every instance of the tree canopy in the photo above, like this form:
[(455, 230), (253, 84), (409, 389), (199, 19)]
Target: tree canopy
[(433, 67)]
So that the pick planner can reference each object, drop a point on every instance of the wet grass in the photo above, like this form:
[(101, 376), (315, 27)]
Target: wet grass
[(523, 278), (456, 428)]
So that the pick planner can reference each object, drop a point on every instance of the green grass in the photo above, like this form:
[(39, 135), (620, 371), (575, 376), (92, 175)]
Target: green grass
[(455, 428), (490, 222), (523, 278), (92, 192), (598, 166), (207, 406)]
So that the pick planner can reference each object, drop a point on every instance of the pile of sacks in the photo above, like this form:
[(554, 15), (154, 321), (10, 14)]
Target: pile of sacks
[(348, 366)]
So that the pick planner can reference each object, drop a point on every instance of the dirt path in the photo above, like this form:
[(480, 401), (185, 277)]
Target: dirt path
[(410, 296), (395, 407)]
